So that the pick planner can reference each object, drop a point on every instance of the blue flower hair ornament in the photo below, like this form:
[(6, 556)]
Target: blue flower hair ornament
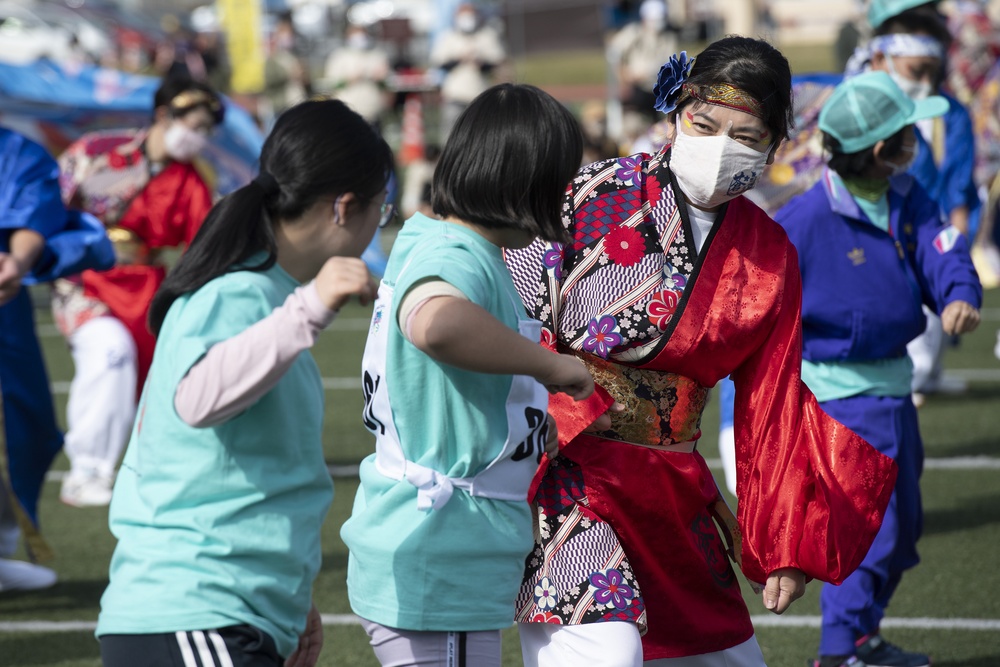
[(672, 76)]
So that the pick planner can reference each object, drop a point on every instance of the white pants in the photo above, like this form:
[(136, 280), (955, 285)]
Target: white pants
[(611, 644), (615, 644), (927, 354), (727, 452), (411, 648), (101, 404)]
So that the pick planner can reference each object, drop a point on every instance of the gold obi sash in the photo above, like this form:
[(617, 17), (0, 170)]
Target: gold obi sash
[(662, 410), (129, 248)]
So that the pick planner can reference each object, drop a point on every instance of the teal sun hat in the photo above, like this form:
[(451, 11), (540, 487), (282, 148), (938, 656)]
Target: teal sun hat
[(880, 11), (869, 108)]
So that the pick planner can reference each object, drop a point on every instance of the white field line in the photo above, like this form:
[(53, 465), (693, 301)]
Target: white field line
[(49, 330), (925, 623), (940, 463), (352, 383), (336, 471), (975, 374), (343, 324), (954, 463), (330, 384)]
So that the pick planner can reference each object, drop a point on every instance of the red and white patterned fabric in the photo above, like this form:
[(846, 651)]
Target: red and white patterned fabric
[(146, 207), (626, 532)]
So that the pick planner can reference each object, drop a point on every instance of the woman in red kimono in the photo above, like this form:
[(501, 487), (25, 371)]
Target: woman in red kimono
[(144, 187), (673, 281)]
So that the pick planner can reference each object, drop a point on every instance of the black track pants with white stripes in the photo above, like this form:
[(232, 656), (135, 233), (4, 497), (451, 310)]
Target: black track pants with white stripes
[(233, 646)]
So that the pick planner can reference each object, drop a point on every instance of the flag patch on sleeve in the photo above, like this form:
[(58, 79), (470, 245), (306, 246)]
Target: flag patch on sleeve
[(946, 239)]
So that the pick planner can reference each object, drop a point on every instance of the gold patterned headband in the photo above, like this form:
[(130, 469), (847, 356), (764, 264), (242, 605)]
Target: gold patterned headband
[(192, 98), (723, 95)]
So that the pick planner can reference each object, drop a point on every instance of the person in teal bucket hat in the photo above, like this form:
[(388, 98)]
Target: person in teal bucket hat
[(881, 10), (872, 248)]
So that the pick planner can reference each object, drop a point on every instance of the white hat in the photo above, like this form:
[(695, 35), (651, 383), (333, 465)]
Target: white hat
[(653, 10)]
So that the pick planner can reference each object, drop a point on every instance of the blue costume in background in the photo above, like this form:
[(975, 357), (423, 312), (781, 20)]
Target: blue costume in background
[(862, 290), (950, 183), (30, 199)]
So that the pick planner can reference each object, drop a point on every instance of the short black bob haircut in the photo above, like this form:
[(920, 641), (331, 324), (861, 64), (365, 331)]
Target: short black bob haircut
[(508, 161), (855, 165), (754, 66)]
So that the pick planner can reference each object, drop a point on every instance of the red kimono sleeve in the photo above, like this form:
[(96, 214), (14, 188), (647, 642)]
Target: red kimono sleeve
[(812, 492), (171, 208)]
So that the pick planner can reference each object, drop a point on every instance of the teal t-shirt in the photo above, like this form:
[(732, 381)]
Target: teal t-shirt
[(830, 380), (220, 526), (459, 567)]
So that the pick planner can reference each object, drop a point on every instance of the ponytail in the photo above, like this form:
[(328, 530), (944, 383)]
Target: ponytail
[(219, 247), (316, 149)]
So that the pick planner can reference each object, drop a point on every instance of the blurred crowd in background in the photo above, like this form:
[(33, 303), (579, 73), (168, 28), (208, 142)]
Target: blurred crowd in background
[(410, 66)]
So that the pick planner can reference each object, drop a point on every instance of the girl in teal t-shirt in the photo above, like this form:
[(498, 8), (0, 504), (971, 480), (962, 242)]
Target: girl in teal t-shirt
[(223, 488), (455, 390)]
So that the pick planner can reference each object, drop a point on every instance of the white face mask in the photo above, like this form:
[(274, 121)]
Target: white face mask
[(182, 143), (359, 41), (915, 90), (903, 167), (656, 25), (712, 170), (466, 22)]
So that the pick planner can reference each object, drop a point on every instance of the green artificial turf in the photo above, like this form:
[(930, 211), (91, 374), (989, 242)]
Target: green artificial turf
[(958, 577)]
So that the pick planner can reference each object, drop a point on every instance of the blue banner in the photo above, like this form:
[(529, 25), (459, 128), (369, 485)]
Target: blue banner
[(55, 106)]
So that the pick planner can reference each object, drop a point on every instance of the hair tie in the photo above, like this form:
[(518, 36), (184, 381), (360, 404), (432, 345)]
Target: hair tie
[(267, 183)]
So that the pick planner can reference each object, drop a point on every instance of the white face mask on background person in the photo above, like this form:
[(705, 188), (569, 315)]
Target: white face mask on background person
[(712, 170), (656, 25), (466, 22), (359, 41), (915, 90), (182, 143), (903, 167)]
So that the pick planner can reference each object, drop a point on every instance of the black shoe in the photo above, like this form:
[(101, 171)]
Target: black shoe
[(877, 652)]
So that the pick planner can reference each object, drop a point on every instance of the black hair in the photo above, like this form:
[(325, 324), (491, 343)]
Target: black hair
[(170, 95), (923, 20), (508, 161), (754, 66), (317, 149), (855, 165)]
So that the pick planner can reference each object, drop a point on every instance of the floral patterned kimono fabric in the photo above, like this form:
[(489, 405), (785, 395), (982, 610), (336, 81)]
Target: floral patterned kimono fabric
[(107, 174), (626, 531)]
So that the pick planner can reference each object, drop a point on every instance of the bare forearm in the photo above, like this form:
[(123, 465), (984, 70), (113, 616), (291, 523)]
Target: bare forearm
[(26, 247), (462, 334)]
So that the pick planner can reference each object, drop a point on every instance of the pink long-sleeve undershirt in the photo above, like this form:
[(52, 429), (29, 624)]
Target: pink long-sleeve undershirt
[(235, 373)]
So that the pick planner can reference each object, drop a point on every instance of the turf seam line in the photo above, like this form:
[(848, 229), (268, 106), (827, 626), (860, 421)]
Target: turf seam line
[(924, 623), (343, 471)]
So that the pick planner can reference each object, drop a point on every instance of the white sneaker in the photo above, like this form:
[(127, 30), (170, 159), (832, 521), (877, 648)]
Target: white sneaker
[(16, 575), (86, 490)]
